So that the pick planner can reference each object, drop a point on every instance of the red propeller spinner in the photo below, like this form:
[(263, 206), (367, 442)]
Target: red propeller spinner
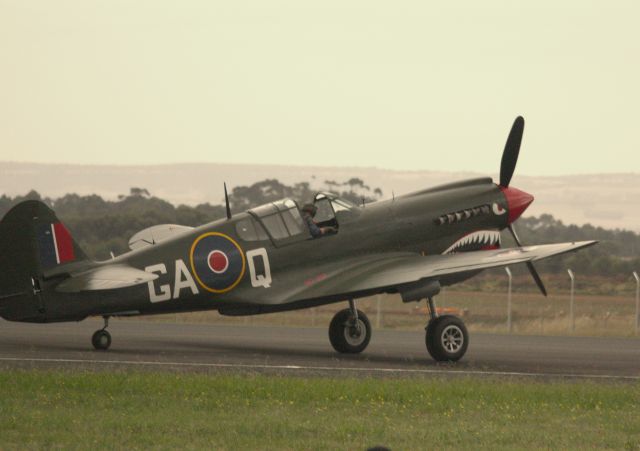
[(517, 202)]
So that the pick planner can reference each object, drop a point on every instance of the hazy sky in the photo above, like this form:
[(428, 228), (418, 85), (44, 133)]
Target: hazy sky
[(394, 84)]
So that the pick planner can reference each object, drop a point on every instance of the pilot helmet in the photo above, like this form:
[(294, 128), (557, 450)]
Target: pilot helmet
[(310, 208)]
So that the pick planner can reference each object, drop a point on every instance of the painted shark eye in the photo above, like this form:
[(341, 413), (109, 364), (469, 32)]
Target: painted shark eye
[(497, 209)]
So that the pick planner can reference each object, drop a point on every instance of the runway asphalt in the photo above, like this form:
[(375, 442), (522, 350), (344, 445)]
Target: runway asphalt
[(197, 347)]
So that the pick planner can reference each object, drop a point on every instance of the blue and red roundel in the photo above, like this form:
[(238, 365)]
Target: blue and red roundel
[(217, 262)]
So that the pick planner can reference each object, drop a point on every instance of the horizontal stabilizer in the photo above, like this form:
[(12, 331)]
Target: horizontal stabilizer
[(107, 277), (156, 234)]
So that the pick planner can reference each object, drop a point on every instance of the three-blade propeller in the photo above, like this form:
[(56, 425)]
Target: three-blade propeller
[(507, 168)]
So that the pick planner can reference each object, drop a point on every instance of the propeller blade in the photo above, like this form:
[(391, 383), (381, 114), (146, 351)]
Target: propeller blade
[(511, 151), (532, 269), (514, 235), (536, 278)]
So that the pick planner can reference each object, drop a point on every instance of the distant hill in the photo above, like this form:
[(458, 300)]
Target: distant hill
[(607, 200)]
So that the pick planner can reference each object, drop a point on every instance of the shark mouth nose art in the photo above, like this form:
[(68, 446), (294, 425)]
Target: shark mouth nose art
[(476, 241)]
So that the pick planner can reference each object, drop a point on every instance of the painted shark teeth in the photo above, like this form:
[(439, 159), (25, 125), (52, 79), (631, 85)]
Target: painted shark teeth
[(479, 238)]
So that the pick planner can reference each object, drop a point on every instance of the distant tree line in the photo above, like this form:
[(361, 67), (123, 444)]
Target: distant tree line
[(617, 253), (354, 190), (102, 226)]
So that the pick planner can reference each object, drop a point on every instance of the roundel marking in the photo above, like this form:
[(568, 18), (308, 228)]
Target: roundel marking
[(217, 261)]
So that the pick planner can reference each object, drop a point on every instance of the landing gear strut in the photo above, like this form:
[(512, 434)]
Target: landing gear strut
[(350, 330), (101, 339), (447, 338)]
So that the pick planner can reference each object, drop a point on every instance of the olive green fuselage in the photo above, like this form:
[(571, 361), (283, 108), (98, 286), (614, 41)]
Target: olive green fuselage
[(275, 275)]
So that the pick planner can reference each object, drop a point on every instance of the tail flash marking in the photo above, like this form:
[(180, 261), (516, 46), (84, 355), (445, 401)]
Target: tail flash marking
[(55, 244), (63, 243)]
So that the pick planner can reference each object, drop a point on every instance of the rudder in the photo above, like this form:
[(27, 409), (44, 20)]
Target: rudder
[(34, 245)]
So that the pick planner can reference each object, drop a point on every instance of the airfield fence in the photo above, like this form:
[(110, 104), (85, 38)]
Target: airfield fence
[(511, 311)]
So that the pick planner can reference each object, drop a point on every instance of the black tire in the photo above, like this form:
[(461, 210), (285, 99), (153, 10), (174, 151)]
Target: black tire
[(447, 338), (101, 340), (345, 337)]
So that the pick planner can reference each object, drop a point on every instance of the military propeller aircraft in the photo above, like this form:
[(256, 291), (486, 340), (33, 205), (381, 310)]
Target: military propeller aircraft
[(266, 260)]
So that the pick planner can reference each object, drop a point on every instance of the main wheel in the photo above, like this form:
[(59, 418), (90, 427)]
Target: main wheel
[(447, 338), (101, 340), (349, 336)]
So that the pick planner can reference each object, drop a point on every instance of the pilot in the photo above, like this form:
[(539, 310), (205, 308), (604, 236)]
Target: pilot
[(308, 212)]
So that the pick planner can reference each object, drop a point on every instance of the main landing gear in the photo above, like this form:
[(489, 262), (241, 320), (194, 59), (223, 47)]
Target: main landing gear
[(350, 330), (101, 339), (447, 338)]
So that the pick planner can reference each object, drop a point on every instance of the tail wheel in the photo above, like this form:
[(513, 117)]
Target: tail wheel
[(447, 338), (348, 335), (101, 340)]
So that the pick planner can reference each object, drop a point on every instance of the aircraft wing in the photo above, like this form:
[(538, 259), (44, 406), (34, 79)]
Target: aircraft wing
[(106, 277), (378, 272), (432, 267)]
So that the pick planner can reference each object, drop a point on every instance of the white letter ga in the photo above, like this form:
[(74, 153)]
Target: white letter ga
[(165, 290)]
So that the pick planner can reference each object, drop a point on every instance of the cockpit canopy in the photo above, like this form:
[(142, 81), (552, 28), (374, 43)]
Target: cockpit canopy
[(330, 208), (339, 204), (281, 218), (282, 222)]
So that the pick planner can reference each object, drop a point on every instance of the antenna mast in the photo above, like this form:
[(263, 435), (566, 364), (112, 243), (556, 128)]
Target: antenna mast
[(226, 201)]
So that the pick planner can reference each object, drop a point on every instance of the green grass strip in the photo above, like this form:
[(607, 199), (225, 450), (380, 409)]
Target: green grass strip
[(136, 410)]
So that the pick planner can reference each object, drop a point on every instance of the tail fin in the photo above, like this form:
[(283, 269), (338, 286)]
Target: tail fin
[(34, 244)]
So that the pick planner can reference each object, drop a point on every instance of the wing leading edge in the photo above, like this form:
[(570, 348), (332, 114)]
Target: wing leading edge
[(418, 267), (384, 272)]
